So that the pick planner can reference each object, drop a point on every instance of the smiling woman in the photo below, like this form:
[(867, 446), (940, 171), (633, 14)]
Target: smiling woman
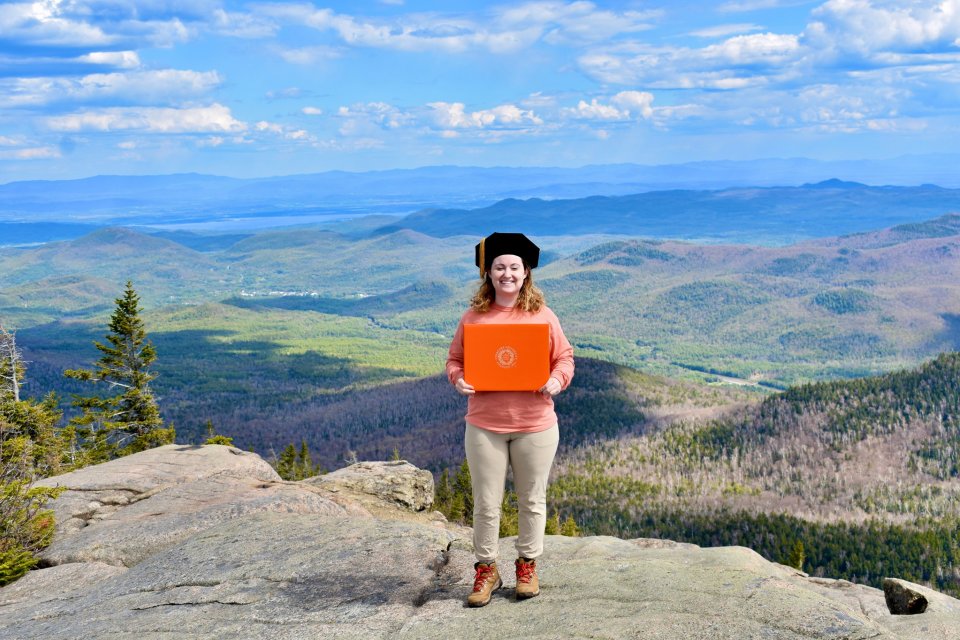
[(515, 429)]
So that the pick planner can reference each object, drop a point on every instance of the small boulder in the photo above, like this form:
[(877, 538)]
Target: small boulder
[(396, 481), (907, 598)]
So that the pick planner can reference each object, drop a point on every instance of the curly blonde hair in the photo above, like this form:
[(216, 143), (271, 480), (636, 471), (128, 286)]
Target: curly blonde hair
[(529, 299)]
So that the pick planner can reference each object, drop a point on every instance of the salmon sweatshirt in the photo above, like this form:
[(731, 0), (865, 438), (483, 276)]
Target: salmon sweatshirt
[(513, 411)]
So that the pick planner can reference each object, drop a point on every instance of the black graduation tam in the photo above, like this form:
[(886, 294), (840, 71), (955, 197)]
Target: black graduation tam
[(499, 244)]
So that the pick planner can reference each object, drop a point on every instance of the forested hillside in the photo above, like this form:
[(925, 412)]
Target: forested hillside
[(863, 473)]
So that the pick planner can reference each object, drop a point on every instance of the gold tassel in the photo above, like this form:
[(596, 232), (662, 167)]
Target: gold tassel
[(483, 259)]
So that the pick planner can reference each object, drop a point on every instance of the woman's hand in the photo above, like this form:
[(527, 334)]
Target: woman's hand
[(552, 388), (464, 388)]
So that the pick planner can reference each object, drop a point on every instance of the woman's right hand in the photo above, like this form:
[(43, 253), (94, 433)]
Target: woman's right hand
[(464, 388)]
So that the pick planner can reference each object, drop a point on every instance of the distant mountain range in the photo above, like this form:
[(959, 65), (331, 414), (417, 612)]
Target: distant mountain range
[(185, 199), (755, 215)]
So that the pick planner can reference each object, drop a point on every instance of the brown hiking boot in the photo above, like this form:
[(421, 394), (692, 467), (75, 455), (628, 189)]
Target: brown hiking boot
[(485, 583), (528, 584)]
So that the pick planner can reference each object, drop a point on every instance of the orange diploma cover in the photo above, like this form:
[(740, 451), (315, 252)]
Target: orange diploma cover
[(506, 357)]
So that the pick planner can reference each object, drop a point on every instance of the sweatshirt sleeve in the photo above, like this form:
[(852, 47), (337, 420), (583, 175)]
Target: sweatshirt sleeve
[(561, 354), (455, 355)]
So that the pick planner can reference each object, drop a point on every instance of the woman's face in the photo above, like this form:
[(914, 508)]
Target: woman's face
[(507, 275)]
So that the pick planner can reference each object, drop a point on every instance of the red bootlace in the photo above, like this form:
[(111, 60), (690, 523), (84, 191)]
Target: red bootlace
[(483, 572), (525, 571)]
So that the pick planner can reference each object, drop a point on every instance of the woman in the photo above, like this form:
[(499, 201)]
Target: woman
[(515, 428)]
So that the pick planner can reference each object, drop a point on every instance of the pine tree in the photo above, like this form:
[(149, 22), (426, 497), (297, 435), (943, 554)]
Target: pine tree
[(463, 492), (553, 525), (305, 466), (215, 438), (25, 526), (443, 494), (797, 556), (509, 515), (287, 463), (297, 465), (128, 422), (569, 528)]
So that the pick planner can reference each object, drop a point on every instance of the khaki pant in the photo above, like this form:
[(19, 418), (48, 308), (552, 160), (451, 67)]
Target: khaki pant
[(531, 456)]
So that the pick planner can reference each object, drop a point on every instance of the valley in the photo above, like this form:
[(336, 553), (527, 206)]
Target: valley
[(764, 395)]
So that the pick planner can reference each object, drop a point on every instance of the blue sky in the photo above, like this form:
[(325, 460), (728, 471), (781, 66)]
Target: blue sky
[(267, 88)]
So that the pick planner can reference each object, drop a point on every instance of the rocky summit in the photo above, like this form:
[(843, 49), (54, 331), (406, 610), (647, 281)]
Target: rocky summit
[(197, 542)]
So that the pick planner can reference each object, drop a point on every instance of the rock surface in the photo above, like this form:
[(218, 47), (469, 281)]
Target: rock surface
[(203, 551)]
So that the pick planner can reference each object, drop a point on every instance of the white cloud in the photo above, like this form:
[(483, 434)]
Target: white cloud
[(737, 62), (752, 5), (453, 115), (576, 22), (724, 30), (507, 31), (31, 153), (289, 92), (273, 127), (364, 119), (163, 86), (767, 49), (865, 27), (310, 55), (626, 105), (214, 118), (312, 111), (636, 103), (118, 59), (243, 25), (596, 111), (39, 23)]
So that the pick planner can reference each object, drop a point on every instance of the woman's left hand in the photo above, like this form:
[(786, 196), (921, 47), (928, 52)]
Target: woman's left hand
[(551, 389)]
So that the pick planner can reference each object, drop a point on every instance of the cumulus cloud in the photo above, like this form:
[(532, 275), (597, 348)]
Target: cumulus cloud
[(312, 111), (40, 23), (117, 59), (626, 105), (865, 27), (453, 115), (213, 118)]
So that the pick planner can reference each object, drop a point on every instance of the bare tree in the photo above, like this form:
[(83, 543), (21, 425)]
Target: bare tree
[(11, 365)]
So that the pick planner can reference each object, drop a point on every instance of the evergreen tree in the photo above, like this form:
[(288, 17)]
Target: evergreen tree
[(306, 468), (509, 515), (287, 463), (569, 527), (463, 493), (215, 438), (797, 556), (297, 465), (443, 494), (25, 526), (553, 525), (130, 421)]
